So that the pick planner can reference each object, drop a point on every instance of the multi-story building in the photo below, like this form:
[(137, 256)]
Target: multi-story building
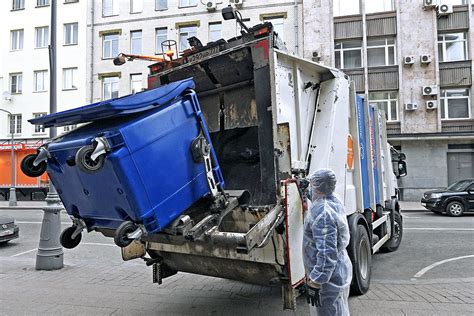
[(140, 27), (413, 59), (24, 69)]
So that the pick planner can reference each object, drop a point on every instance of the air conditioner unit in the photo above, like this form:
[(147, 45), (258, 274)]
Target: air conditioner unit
[(431, 104), (429, 4), (211, 5), (445, 9), (426, 59), (409, 60), (411, 106), (430, 90), (237, 3)]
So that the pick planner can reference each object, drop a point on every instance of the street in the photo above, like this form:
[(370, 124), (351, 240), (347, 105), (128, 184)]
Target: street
[(432, 273)]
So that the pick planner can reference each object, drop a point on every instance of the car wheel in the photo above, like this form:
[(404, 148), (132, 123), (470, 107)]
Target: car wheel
[(31, 170), (455, 208), (362, 261)]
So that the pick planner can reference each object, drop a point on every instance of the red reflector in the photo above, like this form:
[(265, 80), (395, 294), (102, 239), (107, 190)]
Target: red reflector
[(373, 216), (154, 69), (262, 31)]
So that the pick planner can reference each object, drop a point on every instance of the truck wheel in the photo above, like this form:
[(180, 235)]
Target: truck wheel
[(121, 233), (85, 162), (455, 208), (362, 261), (394, 242), (66, 238), (29, 169)]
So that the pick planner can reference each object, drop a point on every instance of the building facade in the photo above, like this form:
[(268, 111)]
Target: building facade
[(24, 72), (414, 60)]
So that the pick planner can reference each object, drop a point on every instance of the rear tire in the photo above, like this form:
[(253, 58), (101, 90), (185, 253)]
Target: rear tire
[(455, 209), (361, 261), (394, 242), (29, 169)]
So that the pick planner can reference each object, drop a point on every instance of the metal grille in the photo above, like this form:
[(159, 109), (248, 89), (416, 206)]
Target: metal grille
[(454, 21), (350, 29), (382, 26)]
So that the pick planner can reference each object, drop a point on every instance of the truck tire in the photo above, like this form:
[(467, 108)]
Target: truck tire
[(361, 260), (394, 242)]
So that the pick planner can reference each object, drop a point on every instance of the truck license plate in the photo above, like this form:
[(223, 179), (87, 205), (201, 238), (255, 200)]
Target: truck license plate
[(203, 54)]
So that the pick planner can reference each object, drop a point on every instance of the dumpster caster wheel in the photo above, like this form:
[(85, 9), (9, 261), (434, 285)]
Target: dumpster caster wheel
[(29, 169), (85, 162), (121, 238), (66, 238)]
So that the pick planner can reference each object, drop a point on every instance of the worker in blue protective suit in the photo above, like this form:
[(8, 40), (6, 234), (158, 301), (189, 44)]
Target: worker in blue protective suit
[(326, 236)]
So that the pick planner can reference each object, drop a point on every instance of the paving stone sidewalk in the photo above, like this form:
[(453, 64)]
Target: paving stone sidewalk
[(125, 288)]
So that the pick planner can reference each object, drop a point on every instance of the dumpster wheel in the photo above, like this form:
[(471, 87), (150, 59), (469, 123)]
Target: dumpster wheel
[(85, 162), (66, 238), (29, 169), (121, 234)]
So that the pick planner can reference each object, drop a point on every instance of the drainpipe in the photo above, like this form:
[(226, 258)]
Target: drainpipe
[(295, 19), (91, 79)]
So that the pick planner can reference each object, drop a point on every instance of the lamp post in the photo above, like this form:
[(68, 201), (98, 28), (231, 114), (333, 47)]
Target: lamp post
[(12, 199)]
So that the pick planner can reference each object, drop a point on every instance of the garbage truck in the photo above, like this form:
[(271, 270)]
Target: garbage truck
[(271, 120)]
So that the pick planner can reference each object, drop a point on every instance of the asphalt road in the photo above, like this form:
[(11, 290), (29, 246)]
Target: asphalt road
[(435, 250)]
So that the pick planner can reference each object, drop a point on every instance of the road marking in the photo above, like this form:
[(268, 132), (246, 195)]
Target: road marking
[(406, 216), (24, 252), (438, 228), (26, 222), (431, 266), (98, 244)]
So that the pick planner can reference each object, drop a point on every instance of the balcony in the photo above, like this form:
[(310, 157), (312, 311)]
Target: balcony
[(457, 126)]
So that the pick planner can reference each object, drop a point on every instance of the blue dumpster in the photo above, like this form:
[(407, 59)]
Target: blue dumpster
[(146, 172)]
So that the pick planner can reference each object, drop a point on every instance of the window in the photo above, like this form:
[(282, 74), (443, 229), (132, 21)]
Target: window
[(42, 37), (136, 6), (346, 7), (136, 42), (277, 22), (136, 83), (186, 32), (348, 54), (39, 128), (70, 1), (40, 80), (110, 7), (452, 46), (381, 52), (42, 3), (16, 83), (69, 78), (215, 31), (18, 4), (161, 36), (110, 45), (372, 6), (455, 103), (187, 3), (387, 101), (17, 40), (110, 86), (15, 123), (161, 5), (70, 33)]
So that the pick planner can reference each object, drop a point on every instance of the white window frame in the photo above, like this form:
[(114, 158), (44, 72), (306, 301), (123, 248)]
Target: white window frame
[(136, 6), (443, 45), (211, 30), (387, 4), (135, 81), (337, 5), (132, 38), (112, 85), (18, 5), (188, 35), (42, 3), (16, 120), (16, 42), (41, 36), (40, 86), (158, 50), (386, 47), (161, 5), (39, 129), (187, 3), (388, 102), (444, 103), (71, 29), (110, 53), (115, 8), (341, 52), (70, 78), (18, 84)]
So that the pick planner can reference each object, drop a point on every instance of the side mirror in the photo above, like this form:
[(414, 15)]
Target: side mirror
[(402, 168), (402, 156)]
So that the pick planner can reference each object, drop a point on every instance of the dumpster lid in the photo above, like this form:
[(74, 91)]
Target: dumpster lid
[(134, 103)]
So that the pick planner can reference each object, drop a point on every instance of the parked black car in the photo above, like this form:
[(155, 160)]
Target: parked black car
[(455, 200), (8, 229)]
